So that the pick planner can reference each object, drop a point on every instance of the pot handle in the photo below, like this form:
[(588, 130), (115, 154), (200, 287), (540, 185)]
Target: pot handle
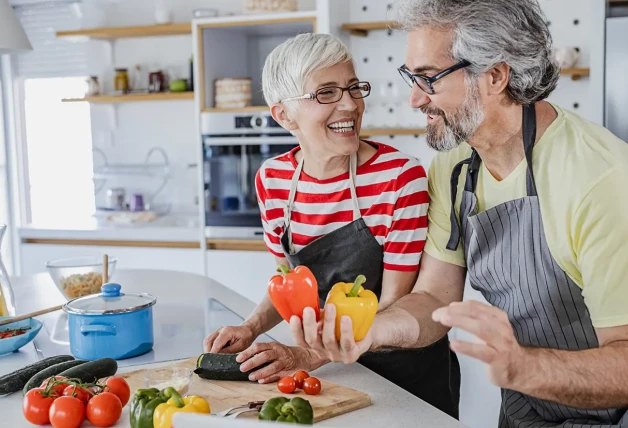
[(98, 328)]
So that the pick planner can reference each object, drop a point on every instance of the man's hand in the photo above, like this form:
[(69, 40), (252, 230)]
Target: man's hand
[(229, 340), (284, 361), (500, 350), (321, 336)]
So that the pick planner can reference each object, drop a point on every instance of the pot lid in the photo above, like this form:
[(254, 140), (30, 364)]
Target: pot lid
[(110, 301)]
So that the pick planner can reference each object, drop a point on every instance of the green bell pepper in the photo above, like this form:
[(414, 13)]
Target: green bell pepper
[(144, 404), (280, 409)]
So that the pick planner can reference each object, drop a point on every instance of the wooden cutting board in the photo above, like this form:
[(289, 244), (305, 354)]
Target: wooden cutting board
[(334, 400)]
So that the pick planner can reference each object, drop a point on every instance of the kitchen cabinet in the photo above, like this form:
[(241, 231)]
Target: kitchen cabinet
[(34, 257), (245, 272)]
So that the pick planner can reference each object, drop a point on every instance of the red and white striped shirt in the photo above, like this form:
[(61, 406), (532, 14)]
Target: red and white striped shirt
[(392, 195)]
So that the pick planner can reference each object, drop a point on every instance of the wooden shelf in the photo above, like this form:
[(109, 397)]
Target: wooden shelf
[(259, 20), (113, 243), (252, 109), (362, 28), (576, 73), (113, 99), (110, 33), (391, 131), (236, 244)]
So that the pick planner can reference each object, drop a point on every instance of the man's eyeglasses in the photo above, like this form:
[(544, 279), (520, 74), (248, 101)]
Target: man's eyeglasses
[(333, 94), (426, 83)]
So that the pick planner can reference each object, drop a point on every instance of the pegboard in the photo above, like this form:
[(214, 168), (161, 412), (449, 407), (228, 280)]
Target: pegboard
[(378, 56)]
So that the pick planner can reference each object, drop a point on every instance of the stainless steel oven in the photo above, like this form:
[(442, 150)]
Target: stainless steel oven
[(235, 145)]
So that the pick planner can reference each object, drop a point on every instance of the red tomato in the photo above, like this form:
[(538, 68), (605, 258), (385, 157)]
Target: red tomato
[(287, 385), (299, 377), (36, 407), (312, 386), (57, 389), (76, 391), (104, 409), (119, 387), (67, 412)]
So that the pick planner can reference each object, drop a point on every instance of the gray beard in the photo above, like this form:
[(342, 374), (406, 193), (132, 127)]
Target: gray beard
[(460, 126)]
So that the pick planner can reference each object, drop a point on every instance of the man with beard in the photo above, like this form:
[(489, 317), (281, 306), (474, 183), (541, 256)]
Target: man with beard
[(527, 200)]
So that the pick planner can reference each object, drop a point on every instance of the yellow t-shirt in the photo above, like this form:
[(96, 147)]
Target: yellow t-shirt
[(581, 175)]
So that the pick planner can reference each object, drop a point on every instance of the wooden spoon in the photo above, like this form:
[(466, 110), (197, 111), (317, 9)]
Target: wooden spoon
[(105, 269), (31, 315)]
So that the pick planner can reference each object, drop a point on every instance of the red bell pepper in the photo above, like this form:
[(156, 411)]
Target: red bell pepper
[(294, 290)]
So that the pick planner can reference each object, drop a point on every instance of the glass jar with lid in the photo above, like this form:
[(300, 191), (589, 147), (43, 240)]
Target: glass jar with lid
[(122, 80)]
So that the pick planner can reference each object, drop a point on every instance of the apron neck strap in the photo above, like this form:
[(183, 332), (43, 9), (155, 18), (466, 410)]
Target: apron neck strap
[(353, 165), (529, 138)]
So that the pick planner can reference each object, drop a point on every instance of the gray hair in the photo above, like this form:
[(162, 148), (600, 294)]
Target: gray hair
[(489, 32), (290, 64)]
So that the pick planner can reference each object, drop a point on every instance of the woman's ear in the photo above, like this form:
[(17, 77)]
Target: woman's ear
[(280, 114)]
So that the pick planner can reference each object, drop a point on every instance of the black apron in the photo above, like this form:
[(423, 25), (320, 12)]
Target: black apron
[(509, 262), (431, 373)]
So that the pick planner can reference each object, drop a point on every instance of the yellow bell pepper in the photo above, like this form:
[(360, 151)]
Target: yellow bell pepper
[(353, 300), (162, 417)]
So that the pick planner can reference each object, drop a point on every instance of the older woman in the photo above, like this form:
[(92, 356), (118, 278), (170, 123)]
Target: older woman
[(342, 207)]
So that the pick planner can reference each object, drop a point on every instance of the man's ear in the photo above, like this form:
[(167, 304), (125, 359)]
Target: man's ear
[(280, 114), (498, 78)]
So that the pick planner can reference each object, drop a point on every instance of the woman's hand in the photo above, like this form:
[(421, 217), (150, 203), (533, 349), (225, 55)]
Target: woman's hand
[(229, 340), (321, 336), (284, 361)]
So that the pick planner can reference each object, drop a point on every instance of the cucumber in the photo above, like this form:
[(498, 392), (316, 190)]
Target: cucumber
[(55, 370), (221, 367), (92, 371), (15, 381)]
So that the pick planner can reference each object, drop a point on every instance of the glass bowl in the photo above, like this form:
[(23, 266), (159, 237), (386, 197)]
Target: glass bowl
[(179, 378), (79, 276)]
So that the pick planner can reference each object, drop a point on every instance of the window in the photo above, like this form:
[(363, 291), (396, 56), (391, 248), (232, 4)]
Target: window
[(55, 137), (59, 150)]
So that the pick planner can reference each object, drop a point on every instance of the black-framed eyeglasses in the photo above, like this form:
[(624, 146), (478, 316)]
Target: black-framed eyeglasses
[(426, 83), (333, 94)]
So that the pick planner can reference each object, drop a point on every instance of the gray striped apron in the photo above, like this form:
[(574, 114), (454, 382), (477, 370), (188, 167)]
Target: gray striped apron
[(509, 262)]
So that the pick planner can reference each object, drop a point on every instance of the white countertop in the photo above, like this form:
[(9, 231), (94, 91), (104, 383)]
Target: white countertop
[(175, 228), (390, 403)]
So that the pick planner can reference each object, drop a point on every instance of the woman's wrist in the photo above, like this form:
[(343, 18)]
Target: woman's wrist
[(255, 325)]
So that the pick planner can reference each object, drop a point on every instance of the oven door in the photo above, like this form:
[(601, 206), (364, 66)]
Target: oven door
[(231, 207)]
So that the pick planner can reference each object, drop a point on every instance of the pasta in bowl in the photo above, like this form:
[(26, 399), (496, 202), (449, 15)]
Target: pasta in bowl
[(80, 276)]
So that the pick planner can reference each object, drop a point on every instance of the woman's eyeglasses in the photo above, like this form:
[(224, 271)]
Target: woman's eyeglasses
[(426, 83), (333, 94)]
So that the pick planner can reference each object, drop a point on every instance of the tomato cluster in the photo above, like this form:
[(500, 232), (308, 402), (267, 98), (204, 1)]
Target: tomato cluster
[(65, 403), (300, 380)]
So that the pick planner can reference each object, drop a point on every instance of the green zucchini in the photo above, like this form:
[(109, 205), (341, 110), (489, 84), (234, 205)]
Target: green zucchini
[(92, 371), (15, 381), (55, 370), (221, 367)]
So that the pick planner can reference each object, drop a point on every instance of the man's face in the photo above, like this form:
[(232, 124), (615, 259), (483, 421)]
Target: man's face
[(455, 110)]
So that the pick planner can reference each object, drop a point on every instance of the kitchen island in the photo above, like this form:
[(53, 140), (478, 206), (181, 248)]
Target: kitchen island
[(181, 296)]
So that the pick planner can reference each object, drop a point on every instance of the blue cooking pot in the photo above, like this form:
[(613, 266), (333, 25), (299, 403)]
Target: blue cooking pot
[(111, 324)]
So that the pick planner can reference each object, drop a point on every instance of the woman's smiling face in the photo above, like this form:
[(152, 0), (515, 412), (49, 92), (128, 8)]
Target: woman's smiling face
[(333, 129)]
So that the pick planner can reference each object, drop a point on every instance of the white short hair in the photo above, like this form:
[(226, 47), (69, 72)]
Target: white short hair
[(290, 64)]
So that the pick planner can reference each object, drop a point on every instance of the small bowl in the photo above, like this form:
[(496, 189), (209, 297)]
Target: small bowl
[(79, 276), (12, 344), (179, 378)]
